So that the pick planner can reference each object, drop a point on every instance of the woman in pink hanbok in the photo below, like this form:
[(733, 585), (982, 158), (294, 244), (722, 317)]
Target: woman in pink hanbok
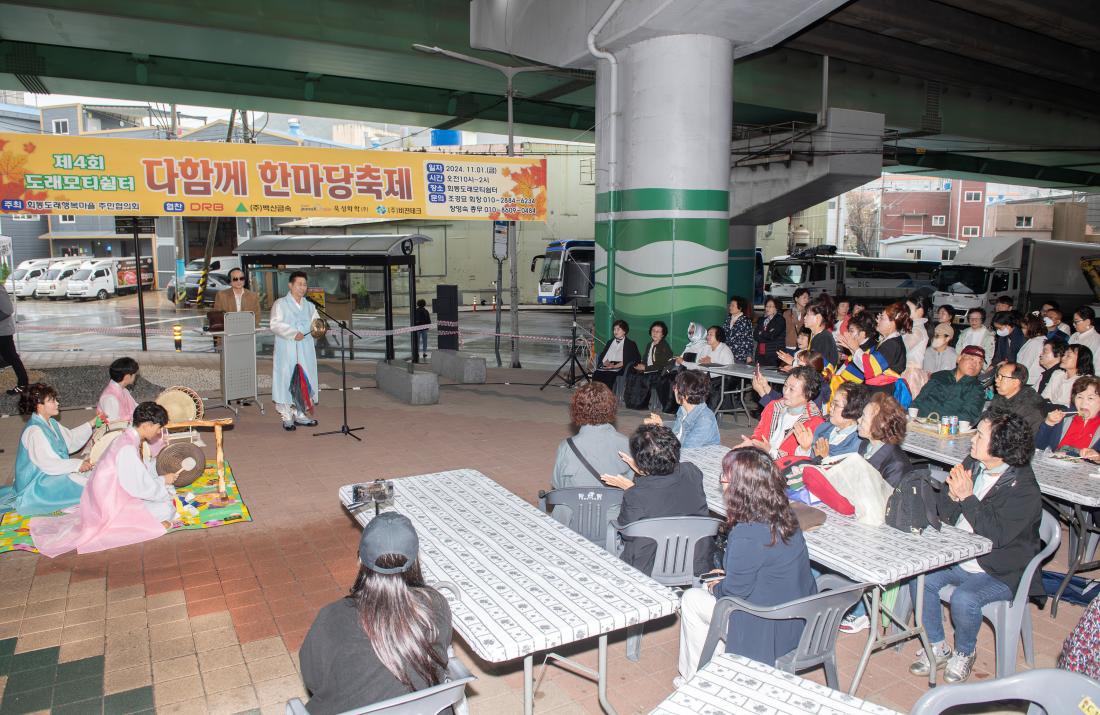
[(125, 502)]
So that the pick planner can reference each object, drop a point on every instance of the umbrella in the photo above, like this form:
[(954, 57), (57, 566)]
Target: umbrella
[(300, 390)]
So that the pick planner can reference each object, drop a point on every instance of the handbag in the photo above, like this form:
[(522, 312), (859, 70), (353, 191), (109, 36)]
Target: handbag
[(912, 505), (636, 392)]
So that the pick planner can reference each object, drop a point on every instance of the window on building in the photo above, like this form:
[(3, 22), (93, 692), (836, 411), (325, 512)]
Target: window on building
[(61, 126), (23, 217), (913, 253), (939, 220), (971, 231), (588, 170), (66, 218), (1023, 222), (972, 196), (947, 254)]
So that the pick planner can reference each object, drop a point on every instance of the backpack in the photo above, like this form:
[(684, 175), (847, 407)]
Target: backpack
[(912, 506)]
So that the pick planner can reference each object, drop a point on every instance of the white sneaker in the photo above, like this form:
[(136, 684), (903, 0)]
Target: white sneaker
[(854, 624)]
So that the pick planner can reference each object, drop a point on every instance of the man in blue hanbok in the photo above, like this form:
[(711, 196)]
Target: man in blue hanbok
[(291, 317)]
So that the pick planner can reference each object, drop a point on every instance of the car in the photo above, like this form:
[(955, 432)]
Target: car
[(215, 282)]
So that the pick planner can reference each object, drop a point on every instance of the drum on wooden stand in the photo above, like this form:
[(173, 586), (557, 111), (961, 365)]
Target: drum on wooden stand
[(184, 457), (182, 404)]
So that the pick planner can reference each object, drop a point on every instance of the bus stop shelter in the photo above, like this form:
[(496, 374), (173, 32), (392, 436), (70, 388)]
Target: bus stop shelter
[(356, 272)]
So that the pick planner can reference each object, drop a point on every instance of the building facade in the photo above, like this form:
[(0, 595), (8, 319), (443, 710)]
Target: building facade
[(956, 210), (920, 248)]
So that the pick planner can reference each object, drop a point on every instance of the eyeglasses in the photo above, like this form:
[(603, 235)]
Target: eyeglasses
[(238, 279), (1079, 320), (1006, 377)]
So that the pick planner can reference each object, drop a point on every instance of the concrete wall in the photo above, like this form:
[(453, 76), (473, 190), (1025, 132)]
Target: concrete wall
[(927, 249)]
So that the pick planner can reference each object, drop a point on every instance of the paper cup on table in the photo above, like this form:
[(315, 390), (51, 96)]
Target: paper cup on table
[(912, 413), (964, 426)]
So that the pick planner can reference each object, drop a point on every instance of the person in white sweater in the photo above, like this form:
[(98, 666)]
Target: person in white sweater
[(1035, 332), (1083, 324), (977, 334)]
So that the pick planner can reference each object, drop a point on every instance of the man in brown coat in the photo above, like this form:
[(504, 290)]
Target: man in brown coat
[(237, 298)]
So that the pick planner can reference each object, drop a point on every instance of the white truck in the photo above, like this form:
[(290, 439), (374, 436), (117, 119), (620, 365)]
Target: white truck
[(103, 277), (55, 283), (821, 269), (24, 280), (1028, 269)]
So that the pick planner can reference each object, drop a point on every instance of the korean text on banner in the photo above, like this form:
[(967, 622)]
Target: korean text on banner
[(80, 175)]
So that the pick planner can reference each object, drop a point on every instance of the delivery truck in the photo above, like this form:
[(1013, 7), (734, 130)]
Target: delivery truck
[(101, 278), (24, 280), (1028, 269), (55, 283)]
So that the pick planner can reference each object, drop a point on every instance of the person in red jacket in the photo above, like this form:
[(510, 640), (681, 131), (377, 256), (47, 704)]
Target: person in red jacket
[(775, 432)]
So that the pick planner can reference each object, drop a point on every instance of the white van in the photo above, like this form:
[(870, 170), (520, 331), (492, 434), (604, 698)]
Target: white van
[(55, 283), (104, 277), (24, 279)]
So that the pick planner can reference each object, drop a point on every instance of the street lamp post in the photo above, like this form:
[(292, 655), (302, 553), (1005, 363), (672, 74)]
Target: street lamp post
[(513, 260)]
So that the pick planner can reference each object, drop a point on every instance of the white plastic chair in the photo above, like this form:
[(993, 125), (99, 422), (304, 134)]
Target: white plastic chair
[(1011, 620), (1050, 690), (429, 701)]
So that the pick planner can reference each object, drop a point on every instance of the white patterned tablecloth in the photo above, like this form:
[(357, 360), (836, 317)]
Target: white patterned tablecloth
[(881, 555), (527, 583), (1076, 482), (745, 372), (732, 685)]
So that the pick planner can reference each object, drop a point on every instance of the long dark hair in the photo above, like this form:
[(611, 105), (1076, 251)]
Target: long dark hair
[(755, 492), (396, 614)]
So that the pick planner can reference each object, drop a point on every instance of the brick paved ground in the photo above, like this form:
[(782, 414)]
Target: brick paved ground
[(210, 621)]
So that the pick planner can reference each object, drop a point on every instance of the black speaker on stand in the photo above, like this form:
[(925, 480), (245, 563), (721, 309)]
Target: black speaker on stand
[(576, 283)]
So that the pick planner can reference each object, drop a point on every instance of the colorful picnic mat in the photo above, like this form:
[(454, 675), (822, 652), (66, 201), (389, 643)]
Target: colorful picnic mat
[(15, 533)]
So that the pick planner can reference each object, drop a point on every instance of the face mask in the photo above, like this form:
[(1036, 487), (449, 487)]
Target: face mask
[(1048, 322), (1003, 332)]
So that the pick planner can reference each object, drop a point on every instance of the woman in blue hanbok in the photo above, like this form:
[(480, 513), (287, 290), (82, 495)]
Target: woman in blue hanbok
[(46, 478), (291, 317)]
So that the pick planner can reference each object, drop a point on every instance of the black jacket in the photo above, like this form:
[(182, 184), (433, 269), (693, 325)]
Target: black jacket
[(677, 494), (1027, 403), (891, 462), (631, 356), (773, 338), (1009, 517), (1006, 347)]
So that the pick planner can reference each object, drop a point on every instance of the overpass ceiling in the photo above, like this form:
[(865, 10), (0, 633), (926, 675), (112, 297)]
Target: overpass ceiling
[(1018, 78)]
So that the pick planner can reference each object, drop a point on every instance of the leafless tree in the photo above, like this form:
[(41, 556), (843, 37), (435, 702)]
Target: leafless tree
[(863, 221)]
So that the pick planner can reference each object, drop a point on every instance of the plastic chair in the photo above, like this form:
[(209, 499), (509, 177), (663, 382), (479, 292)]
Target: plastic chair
[(674, 563), (589, 507), (676, 537), (1055, 691), (822, 613), (1011, 619), (428, 701)]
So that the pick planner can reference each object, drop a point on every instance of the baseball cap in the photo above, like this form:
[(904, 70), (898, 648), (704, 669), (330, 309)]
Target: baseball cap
[(389, 533), (975, 350)]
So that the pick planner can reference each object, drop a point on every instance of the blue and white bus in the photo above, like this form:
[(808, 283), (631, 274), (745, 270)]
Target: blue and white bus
[(558, 253)]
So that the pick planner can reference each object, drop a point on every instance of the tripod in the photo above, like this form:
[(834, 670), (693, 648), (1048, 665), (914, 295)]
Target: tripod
[(344, 429), (574, 364)]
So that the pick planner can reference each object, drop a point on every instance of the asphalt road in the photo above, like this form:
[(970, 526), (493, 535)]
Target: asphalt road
[(114, 325)]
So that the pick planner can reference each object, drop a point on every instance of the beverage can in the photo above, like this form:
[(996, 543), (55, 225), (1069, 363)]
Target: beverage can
[(954, 425), (945, 426)]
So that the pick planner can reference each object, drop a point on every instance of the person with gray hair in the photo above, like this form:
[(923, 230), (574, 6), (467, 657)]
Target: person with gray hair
[(7, 343)]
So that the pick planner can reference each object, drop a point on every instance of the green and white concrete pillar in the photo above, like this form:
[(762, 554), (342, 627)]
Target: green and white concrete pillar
[(662, 202)]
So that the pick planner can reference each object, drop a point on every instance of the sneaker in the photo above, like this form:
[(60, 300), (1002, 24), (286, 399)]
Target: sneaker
[(921, 667), (854, 624), (17, 390), (959, 667), (289, 426), (305, 421)]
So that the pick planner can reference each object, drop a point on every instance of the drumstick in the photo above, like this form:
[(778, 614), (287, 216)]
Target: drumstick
[(220, 458)]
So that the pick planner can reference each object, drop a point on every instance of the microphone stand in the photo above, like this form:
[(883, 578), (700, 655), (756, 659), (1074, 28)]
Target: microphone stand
[(344, 429)]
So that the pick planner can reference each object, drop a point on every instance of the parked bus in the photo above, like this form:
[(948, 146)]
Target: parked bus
[(558, 253), (877, 281)]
